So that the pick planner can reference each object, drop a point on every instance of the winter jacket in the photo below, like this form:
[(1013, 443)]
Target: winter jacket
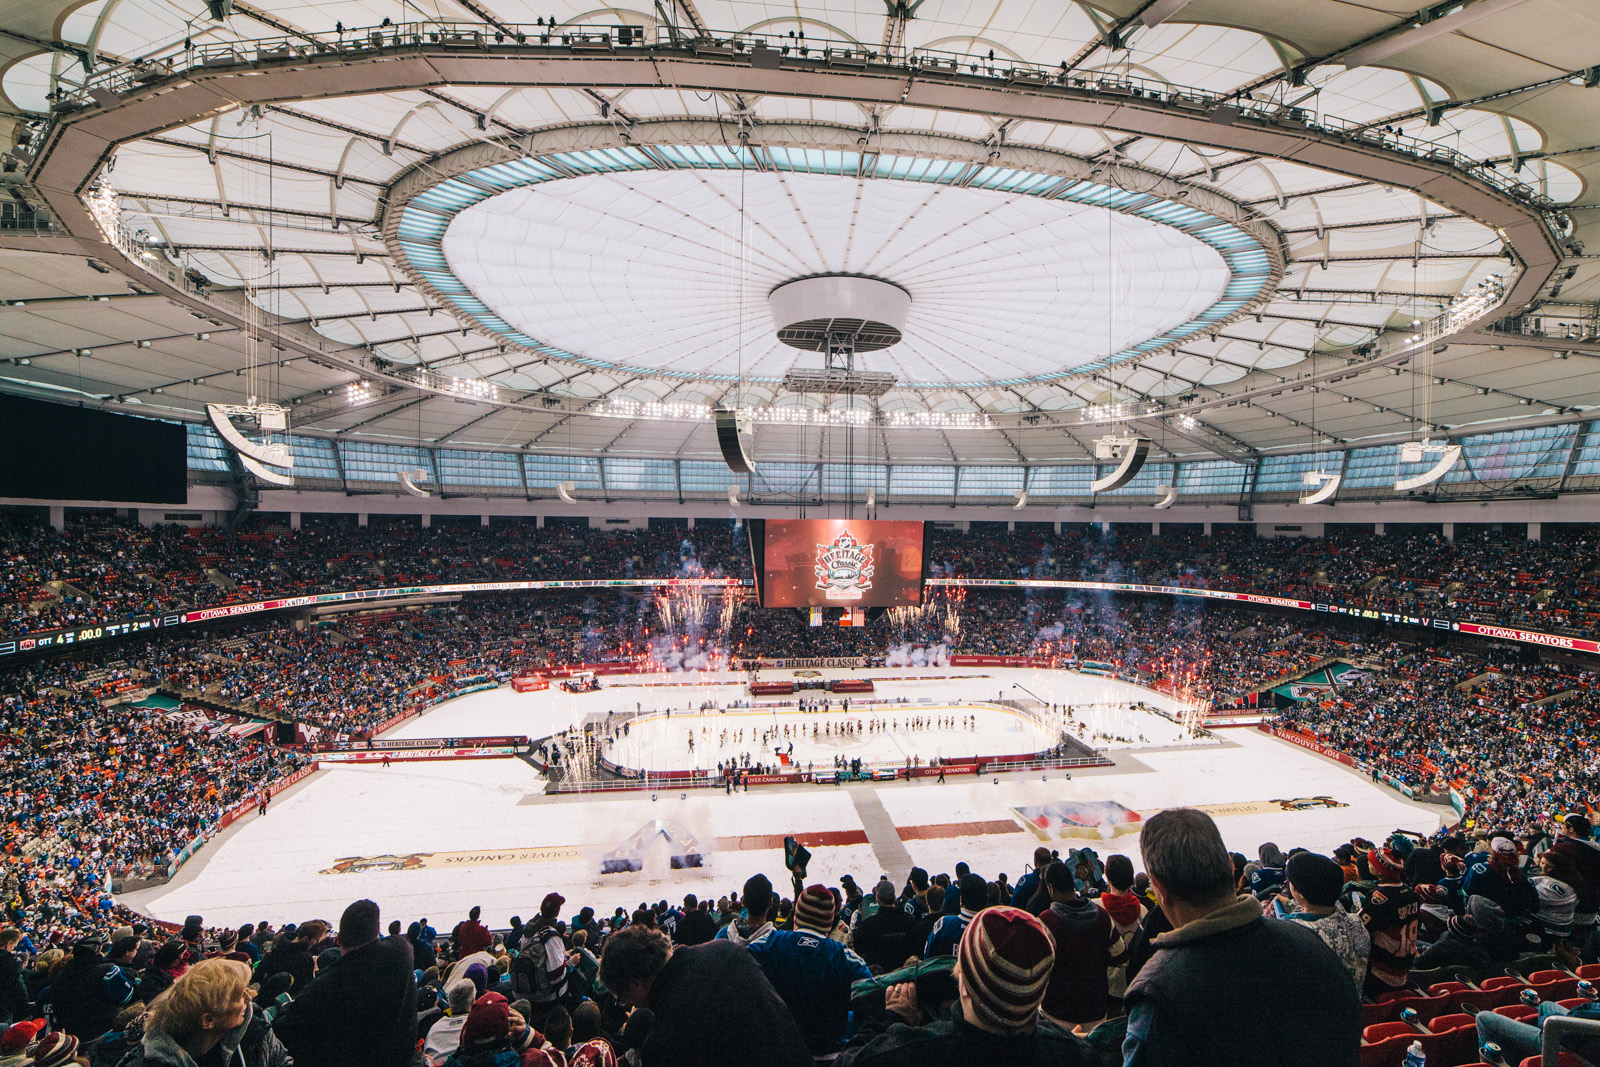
[(1345, 935), (695, 928), (250, 1044), (947, 934), (713, 1007), (13, 993), (886, 939), (953, 1040), (471, 936), (1233, 984), (293, 956), (152, 983), (82, 998), (812, 973), (360, 1012)]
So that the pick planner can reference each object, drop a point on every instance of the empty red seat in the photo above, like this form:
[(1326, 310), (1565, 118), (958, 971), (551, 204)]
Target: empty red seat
[(1389, 1052), (1520, 1012), (1553, 985), (1383, 1031), (1591, 971), (1566, 1059)]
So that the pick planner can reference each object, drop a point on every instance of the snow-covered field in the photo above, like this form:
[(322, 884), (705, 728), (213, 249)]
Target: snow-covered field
[(271, 868)]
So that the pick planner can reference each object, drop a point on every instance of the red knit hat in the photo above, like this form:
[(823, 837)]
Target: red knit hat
[(815, 909), (1386, 865), (488, 1021), (1003, 964)]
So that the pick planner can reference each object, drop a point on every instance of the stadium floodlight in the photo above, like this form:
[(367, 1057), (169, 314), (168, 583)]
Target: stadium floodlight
[(564, 491), (1324, 487), (409, 480), (838, 382), (1022, 499), (1419, 452), (1132, 451), (1169, 496)]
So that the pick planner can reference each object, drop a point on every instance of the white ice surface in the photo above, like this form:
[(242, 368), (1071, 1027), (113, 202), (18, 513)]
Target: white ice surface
[(268, 868)]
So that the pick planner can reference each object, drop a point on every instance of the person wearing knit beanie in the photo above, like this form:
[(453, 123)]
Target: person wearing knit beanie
[(1003, 965), (53, 1050), (814, 910)]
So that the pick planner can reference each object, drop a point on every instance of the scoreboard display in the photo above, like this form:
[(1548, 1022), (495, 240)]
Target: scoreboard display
[(837, 563)]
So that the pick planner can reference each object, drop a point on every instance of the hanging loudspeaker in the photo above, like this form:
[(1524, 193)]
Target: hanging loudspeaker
[(1133, 451), (733, 435)]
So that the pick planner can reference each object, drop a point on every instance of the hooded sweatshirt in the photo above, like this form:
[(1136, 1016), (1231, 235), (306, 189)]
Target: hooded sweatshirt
[(1083, 932)]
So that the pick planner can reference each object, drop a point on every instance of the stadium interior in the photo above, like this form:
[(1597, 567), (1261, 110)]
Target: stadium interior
[(656, 469)]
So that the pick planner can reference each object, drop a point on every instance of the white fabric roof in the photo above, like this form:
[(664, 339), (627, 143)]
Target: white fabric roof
[(1004, 287)]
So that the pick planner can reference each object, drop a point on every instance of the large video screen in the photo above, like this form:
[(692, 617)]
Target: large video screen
[(59, 452), (845, 563)]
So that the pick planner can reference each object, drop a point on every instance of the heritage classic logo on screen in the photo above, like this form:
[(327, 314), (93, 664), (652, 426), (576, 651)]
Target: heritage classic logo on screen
[(844, 568)]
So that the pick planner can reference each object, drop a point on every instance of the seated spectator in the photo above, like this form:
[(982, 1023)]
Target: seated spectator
[(207, 1017), (362, 1012), (89, 991), (946, 935), (884, 938), (1003, 964), (759, 905), (1520, 1040), (1082, 932), (1499, 877), (1225, 983), (708, 1005), (1391, 913), (811, 971), (494, 1035), (696, 927), (1310, 897), (589, 1048), (291, 955), (1266, 873), (1032, 883), (444, 1036)]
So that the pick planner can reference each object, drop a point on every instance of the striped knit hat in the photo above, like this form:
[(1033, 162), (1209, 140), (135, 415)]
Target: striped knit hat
[(1003, 965), (815, 909)]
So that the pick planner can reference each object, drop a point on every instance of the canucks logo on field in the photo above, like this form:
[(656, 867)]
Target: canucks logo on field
[(844, 568)]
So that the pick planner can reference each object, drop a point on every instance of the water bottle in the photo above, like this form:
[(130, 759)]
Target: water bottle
[(1491, 1053), (1414, 1056)]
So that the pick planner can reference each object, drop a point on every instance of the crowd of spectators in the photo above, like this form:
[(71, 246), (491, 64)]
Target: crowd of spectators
[(1519, 740), (1180, 954), (101, 567), (92, 787)]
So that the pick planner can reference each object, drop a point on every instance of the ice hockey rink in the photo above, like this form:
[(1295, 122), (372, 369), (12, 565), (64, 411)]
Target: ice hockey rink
[(434, 838)]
